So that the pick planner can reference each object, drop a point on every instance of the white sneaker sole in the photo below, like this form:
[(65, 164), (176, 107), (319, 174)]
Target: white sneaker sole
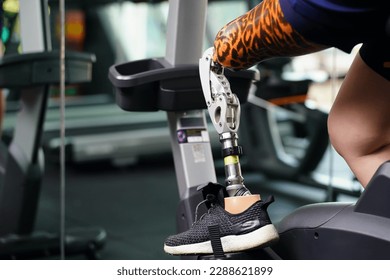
[(230, 244)]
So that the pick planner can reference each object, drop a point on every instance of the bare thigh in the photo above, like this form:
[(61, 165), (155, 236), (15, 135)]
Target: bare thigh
[(359, 122)]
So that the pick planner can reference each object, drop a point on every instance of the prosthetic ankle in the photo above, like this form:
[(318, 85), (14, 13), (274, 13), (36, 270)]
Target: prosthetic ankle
[(224, 110)]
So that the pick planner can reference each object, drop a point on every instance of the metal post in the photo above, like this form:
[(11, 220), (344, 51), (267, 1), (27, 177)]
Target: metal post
[(185, 31), (193, 159)]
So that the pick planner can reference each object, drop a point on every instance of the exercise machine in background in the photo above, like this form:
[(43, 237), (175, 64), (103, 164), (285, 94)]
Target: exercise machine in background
[(22, 162), (287, 139)]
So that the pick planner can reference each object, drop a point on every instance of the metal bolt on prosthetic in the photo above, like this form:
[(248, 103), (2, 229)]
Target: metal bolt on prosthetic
[(224, 110)]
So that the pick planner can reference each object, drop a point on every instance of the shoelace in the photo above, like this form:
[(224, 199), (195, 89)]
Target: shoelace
[(209, 198)]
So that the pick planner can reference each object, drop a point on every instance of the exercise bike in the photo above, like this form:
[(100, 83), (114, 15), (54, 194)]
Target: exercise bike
[(319, 231)]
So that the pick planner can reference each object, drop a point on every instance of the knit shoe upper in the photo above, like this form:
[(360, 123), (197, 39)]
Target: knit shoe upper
[(249, 229)]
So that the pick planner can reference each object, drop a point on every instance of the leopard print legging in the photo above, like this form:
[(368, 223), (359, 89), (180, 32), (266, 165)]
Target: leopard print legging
[(261, 33)]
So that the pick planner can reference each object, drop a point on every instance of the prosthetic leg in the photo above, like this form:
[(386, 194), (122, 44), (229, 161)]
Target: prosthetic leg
[(224, 110), (241, 223)]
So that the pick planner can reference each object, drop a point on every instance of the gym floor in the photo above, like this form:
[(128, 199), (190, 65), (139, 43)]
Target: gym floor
[(136, 205)]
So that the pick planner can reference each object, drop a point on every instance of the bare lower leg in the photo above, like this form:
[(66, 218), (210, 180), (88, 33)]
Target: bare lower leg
[(359, 123)]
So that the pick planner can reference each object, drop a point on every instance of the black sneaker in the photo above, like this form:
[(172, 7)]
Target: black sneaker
[(238, 232)]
